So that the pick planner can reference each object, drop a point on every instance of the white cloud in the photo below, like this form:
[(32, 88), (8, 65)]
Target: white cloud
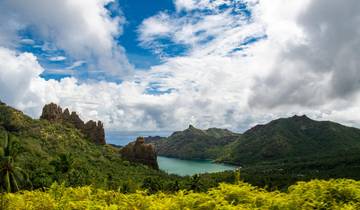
[(57, 58), (17, 72), (318, 63), (76, 64), (27, 41), (208, 29), (307, 65), (83, 29)]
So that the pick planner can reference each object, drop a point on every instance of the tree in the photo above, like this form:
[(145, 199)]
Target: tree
[(195, 184), (63, 166), (152, 185), (63, 163), (10, 174)]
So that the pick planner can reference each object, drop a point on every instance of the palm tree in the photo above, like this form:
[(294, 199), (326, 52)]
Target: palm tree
[(63, 164), (10, 175)]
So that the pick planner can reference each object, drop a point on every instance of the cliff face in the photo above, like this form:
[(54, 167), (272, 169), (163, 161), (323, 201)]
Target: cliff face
[(92, 130), (140, 152)]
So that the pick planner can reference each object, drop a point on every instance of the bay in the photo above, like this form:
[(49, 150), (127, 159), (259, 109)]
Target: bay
[(124, 137), (190, 167)]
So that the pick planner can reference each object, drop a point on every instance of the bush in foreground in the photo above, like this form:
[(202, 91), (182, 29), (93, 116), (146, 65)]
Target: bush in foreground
[(316, 194)]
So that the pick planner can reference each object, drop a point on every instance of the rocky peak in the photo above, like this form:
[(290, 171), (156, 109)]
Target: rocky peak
[(92, 130), (52, 113), (140, 152), (300, 117)]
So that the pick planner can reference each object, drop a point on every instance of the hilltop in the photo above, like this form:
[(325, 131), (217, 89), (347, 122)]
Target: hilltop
[(54, 150), (290, 138), (294, 138), (275, 154), (194, 143)]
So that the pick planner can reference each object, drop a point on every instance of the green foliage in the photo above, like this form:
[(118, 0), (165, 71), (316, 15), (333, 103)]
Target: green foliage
[(10, 174), (57, 152), (194, 143), (152, 185), (316, 194), (293, 139), (274, 155)]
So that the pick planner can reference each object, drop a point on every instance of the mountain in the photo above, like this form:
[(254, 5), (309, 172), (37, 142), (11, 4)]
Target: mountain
[(294, 138), (140, 152), (91, 129), (276, 154), (58, 151), (194, 143)]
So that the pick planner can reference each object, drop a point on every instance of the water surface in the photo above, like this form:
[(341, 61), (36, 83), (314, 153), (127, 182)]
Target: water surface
[(124, 137), (190, 167)]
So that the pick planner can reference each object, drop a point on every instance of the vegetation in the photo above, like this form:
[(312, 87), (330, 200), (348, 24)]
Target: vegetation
[(36, 155), (293, 139), (54, 152), (194, 143), (316, 194), (10, 174), (277, 154)]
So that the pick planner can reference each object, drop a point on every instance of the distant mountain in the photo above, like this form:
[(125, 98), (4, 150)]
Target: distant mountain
[(294, 138), (194, 143)]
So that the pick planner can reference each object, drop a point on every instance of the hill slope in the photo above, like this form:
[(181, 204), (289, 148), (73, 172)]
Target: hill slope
[(297, 137), (286, 139), (51, 152), (194, 143)]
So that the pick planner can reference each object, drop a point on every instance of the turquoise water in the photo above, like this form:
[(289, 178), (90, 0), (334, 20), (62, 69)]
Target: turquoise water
[(190, 167), (170, 165), (123, 138)]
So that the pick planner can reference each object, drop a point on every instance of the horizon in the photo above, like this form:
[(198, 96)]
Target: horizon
[(144, 67)]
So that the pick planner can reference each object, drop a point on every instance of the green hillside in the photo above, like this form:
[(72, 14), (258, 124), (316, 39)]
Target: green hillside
[(294, 138), (194, 143), (276, 154), (51, 152)]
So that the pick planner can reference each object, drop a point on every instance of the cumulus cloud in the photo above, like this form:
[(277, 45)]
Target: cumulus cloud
[(205, 27), (17, 73), (287, 57), (83, 29), (320, 64)]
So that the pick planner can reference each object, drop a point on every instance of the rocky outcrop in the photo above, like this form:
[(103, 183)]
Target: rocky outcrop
[(140, 152), (52, 113), (92, 130), (95, 131)]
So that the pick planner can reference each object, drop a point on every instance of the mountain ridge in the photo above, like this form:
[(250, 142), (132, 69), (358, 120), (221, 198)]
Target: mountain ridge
[(294, 137)]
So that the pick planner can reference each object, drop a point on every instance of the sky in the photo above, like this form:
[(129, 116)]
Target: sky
[(161, 65)]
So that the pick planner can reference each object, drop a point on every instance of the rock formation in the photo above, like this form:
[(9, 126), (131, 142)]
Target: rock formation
[(92, 130), (52, 113), (140, 152)]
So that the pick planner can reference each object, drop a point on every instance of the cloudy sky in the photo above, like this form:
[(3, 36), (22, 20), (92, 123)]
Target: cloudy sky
[(161, 65)]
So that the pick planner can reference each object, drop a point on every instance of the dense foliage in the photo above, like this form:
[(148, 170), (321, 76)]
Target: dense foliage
[(54, 152), (194, 143), (276, 154), (293, 139), (316, 194), (297, 138), (50, 152)]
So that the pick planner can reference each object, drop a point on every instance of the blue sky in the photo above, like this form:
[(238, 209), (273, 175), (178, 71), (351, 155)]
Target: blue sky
[(162, 65), (134, 11), (58, 64)]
